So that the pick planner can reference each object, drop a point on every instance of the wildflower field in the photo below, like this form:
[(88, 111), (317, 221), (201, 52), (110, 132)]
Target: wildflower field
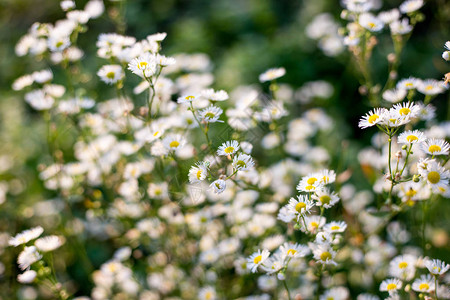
[(226, 149)]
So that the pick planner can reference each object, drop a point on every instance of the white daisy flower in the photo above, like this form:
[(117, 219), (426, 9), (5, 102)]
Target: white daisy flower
[(26, 236), (430, 87), (435, 147), (324, 237), (198, 172), (27, 276), (157, 37), (293, 250), (187, 98), (39, 100), (111, 74), (411, 137), (410, 6), (335, 227), (394, 95), (370, 22), (300, 206), (228, 148), (310, 183), (272, 74), (285, 215), (212, 95), (389, 16), (407, 109), (326, 176), (243, 162), (49, 243), (274, 263), (424, 284), (27, 257), (401, 27), (218, 186), (207, 293), (408, 83), (165, 61), (403, 267), (42, 76), (436, 176), (257, 259), (174, 141), (22, 82), (436, 266), (393, 118), (372, 118), (211, 114), (323, 254), (313, 223), (391, 286), (143, 66), (325, 198)]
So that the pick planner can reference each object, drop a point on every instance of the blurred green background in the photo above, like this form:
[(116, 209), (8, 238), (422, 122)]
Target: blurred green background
[(242, 37)]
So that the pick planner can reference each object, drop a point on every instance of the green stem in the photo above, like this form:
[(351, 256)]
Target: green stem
[(436, 288), (287, 289)]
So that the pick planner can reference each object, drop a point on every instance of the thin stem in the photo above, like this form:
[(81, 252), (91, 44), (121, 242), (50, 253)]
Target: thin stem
[(406, 159), (287, 289), (436, 287)]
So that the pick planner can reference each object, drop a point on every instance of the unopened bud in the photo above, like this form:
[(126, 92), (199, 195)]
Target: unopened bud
[(391, 57), (281, 276), (416, 178), (398, 154), (407, 288), (404, 147), (297, 226), (143, 111), (397, 176)]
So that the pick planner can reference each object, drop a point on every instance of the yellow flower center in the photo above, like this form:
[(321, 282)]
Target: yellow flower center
[(158, 192), (174, 144), (404, 111), (373, 118), (391, 286), (199, 174), (429, 87), (424, 286), (409, 84), (110, 75), (156, 133), (411, 138), (325, 199), (410, 193), (325, 256), (434, 148), (335, 227), (291, 252), (299, 206), (257, 259), (189, 98), (229, 150), (371, 24), (311, 180), (314, 224), (210, 115), (309, 187), (208, 295), (241, 164), (142, 65), (403, 265), (434, 177), (325, 179)]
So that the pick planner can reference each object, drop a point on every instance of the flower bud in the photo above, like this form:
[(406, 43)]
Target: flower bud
[(416, 178), (281, 276)]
